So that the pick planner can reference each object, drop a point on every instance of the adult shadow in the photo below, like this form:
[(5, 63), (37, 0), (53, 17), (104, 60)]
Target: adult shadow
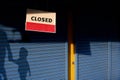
[(4, 45), (23, 65)]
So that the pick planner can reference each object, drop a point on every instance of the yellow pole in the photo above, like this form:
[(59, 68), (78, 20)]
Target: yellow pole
[(71, 51)]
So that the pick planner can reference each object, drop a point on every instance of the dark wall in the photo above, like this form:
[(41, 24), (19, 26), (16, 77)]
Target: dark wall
[(14, 15), (97, 20)]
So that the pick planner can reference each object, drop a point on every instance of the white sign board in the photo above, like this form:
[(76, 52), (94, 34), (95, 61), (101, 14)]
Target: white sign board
[(40, 21)]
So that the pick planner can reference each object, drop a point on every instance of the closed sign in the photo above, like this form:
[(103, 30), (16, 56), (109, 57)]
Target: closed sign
[(40, 21)]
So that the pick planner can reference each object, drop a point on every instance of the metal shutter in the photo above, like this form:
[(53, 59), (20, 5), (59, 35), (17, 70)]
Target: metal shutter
[(48, 61), (92, 60), (47, 56), (115, 72)]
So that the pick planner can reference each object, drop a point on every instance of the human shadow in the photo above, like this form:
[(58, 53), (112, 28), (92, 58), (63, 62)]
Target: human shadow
[(4, 45), (0, 77), (23, 65)]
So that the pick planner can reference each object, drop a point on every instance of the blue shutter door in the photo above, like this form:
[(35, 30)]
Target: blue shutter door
[(47, 61), (115, 61), (92, 60)]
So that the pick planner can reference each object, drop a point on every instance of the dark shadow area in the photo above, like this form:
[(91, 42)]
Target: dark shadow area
[(0, 77), (23, 65), (83, 47), (89, 28), (32, 11), (95, 21), (4, 45)]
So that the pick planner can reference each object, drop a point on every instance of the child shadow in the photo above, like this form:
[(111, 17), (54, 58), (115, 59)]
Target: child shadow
[(23, 65)]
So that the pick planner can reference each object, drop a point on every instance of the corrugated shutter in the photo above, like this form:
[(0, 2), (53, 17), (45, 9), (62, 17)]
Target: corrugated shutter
[(48, 61), (92, 60), (115, 75), (46, 55)]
